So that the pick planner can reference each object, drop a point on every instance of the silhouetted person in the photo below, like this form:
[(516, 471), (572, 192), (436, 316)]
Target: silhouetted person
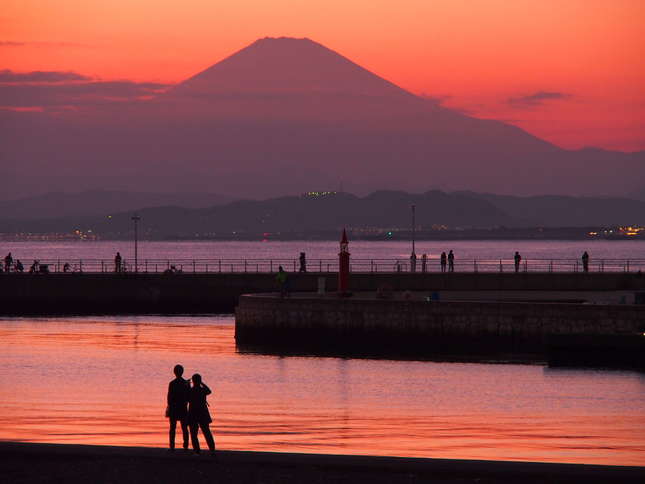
[(8, 262), (413, 262), (198, 415), (19, 266), (585, 262), (282, 280), (33, 269), (443, 261), (451, 262), (424, 263), (518, 259), (66, 267), (177, 410), (303, 262), (117, 262)]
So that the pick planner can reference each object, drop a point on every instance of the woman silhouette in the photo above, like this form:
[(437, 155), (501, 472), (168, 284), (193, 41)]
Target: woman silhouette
[(198, 415)]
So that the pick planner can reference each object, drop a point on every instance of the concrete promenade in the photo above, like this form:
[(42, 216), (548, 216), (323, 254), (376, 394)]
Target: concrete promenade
[(110, 293), (26, 463)]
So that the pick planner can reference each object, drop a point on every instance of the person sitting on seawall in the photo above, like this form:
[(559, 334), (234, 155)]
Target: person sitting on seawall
[(198, 415)]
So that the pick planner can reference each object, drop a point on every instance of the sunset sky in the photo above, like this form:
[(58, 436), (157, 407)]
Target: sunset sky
[(570, 71)]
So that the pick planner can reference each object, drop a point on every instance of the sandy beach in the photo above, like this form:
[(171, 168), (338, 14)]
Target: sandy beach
[(57, 463)]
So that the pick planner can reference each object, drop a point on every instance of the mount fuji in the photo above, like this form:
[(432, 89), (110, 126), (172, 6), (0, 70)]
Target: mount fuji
[(288, 115)]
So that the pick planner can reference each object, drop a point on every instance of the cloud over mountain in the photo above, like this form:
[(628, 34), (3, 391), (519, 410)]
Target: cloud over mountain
[(8, 76), (537, 99)]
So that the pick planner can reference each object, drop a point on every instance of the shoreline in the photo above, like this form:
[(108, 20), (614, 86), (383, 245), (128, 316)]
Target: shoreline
[(91, 463)]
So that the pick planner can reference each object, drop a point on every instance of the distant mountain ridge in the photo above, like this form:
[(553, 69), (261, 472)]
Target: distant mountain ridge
[(323, 213), (100, 202)]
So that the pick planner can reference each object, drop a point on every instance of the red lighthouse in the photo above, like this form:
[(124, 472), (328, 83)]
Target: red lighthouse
[(343, 266)]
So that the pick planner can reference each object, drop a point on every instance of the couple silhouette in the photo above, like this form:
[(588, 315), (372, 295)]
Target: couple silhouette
[(187, 405)]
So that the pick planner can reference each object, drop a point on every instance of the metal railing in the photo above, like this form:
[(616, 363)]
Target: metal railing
[(326, 265)]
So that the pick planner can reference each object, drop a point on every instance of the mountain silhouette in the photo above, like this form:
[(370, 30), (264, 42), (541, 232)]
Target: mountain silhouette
[(313, 215), (289, 115)]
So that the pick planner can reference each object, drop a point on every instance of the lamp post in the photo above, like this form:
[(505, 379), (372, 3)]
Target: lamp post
[(413, 256), (136, 219)]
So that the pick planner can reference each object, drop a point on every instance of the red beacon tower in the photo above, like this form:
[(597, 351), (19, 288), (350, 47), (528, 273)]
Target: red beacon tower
[(343, 266)]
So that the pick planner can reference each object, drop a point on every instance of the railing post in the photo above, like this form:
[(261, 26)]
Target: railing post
[(219, 263), (102, 266), (294, 266), (270, 265), (551, 266), (602, 265), (474, 265), (193, 266), (526, 266), (80, 265), (501, 268), (245, 265), (320, 265)]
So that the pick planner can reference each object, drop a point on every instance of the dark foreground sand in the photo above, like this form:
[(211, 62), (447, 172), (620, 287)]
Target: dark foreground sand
[(55, 463)]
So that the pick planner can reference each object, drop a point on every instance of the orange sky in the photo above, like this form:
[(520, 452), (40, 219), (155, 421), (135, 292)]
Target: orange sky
[(478, 54)]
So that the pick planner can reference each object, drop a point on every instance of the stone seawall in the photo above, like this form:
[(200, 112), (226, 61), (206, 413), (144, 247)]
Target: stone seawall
[(219, 292), (400, 328)]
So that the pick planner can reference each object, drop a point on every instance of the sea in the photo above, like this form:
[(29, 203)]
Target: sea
[(103, 379)]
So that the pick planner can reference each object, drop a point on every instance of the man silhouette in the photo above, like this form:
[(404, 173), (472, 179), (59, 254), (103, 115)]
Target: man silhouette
[(177, 410)]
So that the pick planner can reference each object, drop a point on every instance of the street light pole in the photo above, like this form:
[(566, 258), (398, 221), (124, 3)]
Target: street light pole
[(413, 256), (136, 219)]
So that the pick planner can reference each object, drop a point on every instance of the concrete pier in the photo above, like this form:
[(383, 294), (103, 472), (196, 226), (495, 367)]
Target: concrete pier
[(363, 326), (219, 292)]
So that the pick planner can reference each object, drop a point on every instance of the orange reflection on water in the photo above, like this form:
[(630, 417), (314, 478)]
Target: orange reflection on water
[(103, 381)]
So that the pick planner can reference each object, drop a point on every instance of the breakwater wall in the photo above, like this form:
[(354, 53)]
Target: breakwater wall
[(219, 292), (399, 328)]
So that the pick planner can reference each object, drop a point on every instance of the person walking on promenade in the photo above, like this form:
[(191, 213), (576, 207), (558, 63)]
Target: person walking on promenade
[(8, 262), (424, 263), (303, 262), (198, 415), (443, 262), (282, 280), (177, 409), (451, 262), (19, 266), (117, 262), (518, 259), (585, 262)]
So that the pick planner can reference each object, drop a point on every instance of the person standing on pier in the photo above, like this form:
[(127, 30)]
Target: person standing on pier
[(303, 262), (177, 409), (8, 262), (585, 262), (443, 262), (283, 282), (518, 259), (451, 262), (198, 415), (117, 262), (424, 263)]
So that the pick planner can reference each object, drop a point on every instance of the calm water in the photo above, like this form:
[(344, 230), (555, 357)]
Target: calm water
[(103, 381), (464, 250)]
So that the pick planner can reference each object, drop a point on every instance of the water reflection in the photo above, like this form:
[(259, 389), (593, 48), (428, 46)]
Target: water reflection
[(103, 381)]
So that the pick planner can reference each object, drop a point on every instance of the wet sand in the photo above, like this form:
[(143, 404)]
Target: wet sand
[(54, 463)]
